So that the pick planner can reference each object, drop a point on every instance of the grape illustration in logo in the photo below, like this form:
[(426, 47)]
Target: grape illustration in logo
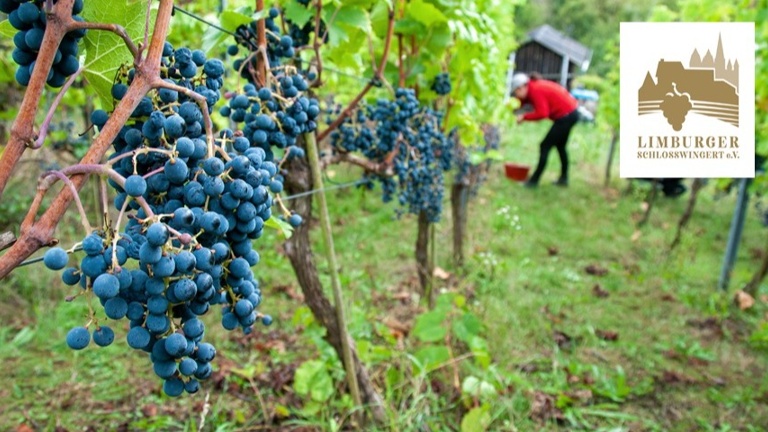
[(675, 107)]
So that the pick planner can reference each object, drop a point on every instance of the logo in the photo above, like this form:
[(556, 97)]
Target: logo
[(687, 100)]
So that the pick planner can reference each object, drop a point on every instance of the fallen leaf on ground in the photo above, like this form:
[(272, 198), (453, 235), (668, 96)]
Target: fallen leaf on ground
[(544, 408), (552, 251), (562, 339), (397, 325), (598, 291), (607, 335), (672, 377), (404, 295), (596, 270), (555, 318), (668, 298), (24, 428), (441, 274), (581, 395), (149, 410), (636, 235), (744, 300)]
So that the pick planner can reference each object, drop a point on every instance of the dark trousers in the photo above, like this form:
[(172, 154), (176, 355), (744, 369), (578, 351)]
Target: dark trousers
[(557, 137)]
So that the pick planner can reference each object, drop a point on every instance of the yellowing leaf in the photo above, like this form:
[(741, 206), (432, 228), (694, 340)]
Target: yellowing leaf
[(744, 300)]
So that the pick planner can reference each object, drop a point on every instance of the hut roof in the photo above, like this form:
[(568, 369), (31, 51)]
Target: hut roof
[(562, 45)]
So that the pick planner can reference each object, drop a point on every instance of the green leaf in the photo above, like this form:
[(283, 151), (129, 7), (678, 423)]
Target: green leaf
[(353, 16), (477, 419), (467, 327), (409, 26), (479, 348), (284, 227), (312, 379), (429, 327), (475, 387), (425, 13), (7, 30), (230, 21), (105, 52), (440, 38), (298, 13), (431, 357)]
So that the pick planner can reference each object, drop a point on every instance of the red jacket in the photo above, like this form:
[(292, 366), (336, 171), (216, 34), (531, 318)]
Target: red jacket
[(549, 100)]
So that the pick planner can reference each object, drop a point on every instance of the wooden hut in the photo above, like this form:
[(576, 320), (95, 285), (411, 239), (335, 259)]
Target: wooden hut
[(552, 54)]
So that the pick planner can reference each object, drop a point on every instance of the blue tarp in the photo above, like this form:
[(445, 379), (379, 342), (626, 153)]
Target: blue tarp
[(585, 95)]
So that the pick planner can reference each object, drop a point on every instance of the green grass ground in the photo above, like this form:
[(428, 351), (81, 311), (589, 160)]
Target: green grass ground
[(659, 349)]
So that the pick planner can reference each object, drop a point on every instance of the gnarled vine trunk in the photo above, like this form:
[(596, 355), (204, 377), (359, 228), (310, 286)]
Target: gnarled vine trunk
[(299, 251), (459, 198), (422, 256)]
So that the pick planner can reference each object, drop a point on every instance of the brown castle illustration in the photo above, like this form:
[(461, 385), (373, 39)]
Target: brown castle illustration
[(709, 86)]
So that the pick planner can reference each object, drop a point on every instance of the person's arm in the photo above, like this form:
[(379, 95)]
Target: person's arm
[(540, 107)]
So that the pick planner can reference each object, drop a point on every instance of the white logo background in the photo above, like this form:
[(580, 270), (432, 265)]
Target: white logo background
[(642, 46)]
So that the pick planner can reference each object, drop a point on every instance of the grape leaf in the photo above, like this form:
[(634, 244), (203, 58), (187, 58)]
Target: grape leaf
[(477, 419), (425, 13), (7, 30), (284, 227), (429, 327), (430, 357), (105, 52), (297, 13)]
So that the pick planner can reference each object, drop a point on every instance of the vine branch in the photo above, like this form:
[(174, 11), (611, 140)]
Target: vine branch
[(35, 234), (377, 76)]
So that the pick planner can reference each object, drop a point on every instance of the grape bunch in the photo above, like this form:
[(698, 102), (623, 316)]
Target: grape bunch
[(442, 84), (271, 122), (409, 138), (195, 204), (675, 107), (29, 19)]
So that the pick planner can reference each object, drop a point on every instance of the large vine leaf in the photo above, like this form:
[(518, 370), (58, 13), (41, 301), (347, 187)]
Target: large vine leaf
[(105, 52), (298, 13), (425, 13)]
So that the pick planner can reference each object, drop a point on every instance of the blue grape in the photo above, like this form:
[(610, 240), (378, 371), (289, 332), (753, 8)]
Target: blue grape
[(103, 336), (56, 258), (78, 338)]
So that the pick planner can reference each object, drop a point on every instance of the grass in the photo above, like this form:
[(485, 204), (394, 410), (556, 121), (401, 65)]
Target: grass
[(681, 359)]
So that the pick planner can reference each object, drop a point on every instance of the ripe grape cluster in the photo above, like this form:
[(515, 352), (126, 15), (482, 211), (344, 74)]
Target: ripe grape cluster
[(442, 84), (274, 116), (29, 18), (409, 138), (195, 204)]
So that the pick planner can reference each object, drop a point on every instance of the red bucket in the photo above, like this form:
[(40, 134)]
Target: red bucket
[(516, 172)]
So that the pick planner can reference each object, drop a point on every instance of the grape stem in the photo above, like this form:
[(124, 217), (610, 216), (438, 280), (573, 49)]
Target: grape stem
[(35, 233), (116, 235), (280, 204), (43, 186), (49, 117), (113, 28)]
